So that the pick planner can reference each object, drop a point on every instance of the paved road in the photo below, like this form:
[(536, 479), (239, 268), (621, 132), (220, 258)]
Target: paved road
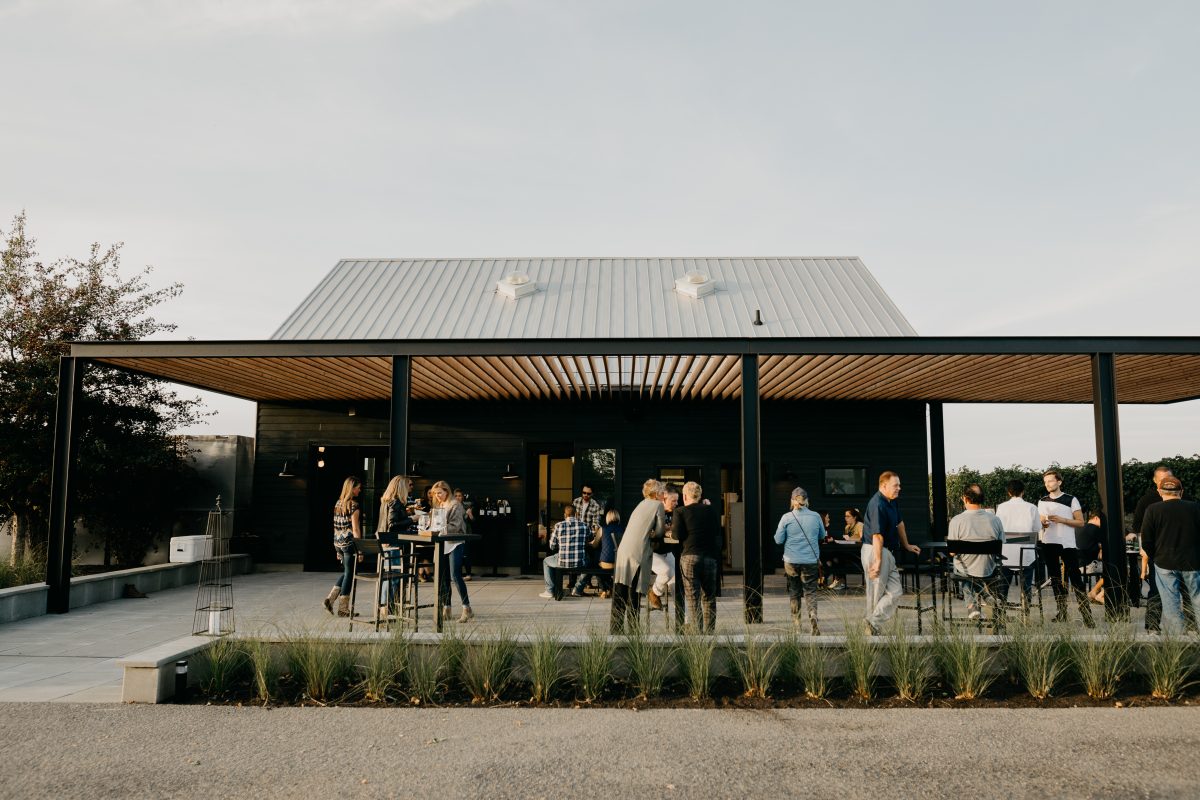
[(99, 751)]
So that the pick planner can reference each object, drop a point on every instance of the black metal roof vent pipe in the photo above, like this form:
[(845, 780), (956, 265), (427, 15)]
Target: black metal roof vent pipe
[(757, 317)]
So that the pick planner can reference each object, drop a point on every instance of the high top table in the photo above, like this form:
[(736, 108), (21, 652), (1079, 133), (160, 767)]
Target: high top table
[(438, 541)]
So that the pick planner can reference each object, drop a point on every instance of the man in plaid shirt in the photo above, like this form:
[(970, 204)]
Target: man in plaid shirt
[(587, 509), (570, 536)]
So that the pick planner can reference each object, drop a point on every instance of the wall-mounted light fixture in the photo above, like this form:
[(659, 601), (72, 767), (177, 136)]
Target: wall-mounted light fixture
[(285, 472), (321, 464), (415, 470), (509, 473), (352, 412)]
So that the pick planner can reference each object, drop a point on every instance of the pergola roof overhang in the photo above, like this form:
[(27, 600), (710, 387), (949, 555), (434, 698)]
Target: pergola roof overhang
[(968, 370)]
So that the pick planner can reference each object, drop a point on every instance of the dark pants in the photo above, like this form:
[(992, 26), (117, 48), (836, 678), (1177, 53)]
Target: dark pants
[(1065, 560), (626, 603), (700, 586), (801, 580), (1153, 602), (452, 571)]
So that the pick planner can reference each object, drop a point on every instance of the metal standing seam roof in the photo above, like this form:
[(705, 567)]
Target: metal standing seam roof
[(599, 298)]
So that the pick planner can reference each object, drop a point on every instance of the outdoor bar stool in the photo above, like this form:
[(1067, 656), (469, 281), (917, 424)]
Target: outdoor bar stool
[(986, 587), (912, 567), (666, 608), (379, 577)]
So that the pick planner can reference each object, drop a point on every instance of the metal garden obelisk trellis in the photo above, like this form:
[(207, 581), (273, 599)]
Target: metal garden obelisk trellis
[(214, 596)]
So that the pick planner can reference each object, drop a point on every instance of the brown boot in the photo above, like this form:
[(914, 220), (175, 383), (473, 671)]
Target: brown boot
[(333, 595), (343, 609), (655, 600)]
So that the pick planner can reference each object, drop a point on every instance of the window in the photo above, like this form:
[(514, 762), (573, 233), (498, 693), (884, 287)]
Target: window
[(845, 481)]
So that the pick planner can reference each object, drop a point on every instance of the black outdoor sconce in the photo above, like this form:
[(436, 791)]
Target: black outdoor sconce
[(509, 473)]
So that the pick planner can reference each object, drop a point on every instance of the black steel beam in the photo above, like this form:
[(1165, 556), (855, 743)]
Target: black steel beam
[(1108, 479), (398, 437), (937, 472), (61, 540), (883, 345), (752, 491)]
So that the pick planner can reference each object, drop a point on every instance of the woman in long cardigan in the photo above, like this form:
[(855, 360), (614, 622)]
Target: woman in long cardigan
[(631, 571)]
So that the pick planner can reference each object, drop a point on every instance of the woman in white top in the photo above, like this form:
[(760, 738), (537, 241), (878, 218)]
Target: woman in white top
[(446, 517)]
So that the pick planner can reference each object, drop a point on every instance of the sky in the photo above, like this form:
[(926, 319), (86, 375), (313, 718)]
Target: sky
[(1017, 168)]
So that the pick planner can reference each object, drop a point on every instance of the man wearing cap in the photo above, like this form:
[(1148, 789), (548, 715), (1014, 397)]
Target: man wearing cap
[(1171, 539), (1151, 497), (800, 531), (883, 537)]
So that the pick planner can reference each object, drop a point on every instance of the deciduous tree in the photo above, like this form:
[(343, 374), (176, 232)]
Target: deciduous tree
[(129, 462)]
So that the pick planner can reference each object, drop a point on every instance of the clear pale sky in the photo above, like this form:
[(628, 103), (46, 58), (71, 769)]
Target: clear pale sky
[(1003, 169)]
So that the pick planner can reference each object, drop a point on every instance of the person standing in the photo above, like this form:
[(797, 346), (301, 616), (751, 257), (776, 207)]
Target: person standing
[(1019, 516), (1061, 515), (697, 527), (980, 570), (631, 571), (883, 536), (800, 531), (347, 526), (663, 564), (569, 537), (1171, 542), (587, 510), (393, 518), (447, 519), (1153, 601)]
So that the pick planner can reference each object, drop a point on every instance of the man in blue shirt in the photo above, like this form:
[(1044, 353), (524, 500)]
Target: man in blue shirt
[(883, 536), (570, 537)]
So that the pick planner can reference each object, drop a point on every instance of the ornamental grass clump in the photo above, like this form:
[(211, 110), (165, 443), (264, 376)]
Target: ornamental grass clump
[(861, 659), (648, 663), (965, 662), (487, 667), (805, 660), (264, 670), (223, 663), (593, 662), (383, 666), (911, 663), (1102, 660), (757, 663), (1170, 664), (696, 663), (318, 664), (426, 675), (544, 659), (1039, 659)]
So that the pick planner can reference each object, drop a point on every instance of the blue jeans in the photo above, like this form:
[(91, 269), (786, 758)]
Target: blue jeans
[(343, 583), (454, 560), (1171, 585)]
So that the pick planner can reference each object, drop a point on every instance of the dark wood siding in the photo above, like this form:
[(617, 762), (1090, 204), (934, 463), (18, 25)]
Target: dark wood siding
[(469, 444)]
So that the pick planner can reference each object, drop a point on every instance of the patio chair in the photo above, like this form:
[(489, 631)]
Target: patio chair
[(912, 567), (987, 588), (1019, 556)]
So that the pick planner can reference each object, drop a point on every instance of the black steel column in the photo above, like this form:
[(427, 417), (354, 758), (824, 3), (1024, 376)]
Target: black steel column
[(1108, 479), (61, 541), (398, 438), (937, 472), (752, 490)]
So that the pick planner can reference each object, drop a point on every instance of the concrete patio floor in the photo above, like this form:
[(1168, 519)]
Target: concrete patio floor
[(73, 657)]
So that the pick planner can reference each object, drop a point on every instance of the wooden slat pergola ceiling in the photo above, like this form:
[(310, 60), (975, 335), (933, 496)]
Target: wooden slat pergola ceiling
[(966, 378)]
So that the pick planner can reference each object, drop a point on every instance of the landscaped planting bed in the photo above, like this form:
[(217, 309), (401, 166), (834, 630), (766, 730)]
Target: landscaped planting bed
[(1030, 666)]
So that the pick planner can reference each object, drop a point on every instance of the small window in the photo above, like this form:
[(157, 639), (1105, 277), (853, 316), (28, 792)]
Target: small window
[(845, 481)]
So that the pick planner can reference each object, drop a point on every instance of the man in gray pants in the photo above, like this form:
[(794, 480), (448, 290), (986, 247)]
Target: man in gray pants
[(883, 536)]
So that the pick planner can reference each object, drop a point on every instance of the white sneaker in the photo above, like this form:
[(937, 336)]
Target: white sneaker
[(974, 614), (835, 585), (546, 596)]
